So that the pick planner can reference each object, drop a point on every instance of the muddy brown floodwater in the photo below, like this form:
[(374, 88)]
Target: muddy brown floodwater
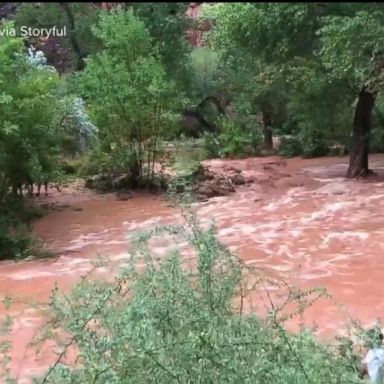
[(299, 219)]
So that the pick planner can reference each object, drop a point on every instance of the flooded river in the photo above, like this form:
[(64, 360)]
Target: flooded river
[(298, 218)]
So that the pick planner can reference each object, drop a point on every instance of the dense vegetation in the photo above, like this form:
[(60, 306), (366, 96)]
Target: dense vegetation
[(124, 83), (300, 72)]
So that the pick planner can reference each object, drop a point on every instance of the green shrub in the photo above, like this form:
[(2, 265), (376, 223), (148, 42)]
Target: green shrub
[(16, 240), (211, 145), (98, 162), (28, 107), (290, 146), (313, 144), (233, 141), (305, 144)]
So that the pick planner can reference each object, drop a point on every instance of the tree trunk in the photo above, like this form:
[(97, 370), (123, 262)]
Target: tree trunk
[(267, 130), (358, 160), (72, 36)]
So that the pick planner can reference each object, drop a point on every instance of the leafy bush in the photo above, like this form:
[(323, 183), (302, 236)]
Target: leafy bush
[(211, 145), (99, 162), (313, 144), (29, 138), (16, 240), (290, 146), (305, 144), (234, 140), (166, 321)]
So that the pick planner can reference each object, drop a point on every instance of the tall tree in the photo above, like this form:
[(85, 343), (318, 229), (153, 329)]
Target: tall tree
[(167, 24), (132, 99), (259, 43), (287, 39), (352, 48)]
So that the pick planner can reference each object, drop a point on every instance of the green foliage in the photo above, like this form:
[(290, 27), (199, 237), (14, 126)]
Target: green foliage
[(303, 63), (165, 322), (15, 238), (133, 102), (211, 145), (290, 146), (205, 71), (370, 337), (233, 140), (166, 24), (256, 84), (307, 144), (351, 47), (28, 135), (182, 187), (16, 241), (313, 144)]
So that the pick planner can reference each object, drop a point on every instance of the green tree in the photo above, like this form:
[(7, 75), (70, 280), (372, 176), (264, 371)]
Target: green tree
[(258, 43), (29, 137), (28, 104), (352, 50), (133, 102), (167, 24), (340, 42)]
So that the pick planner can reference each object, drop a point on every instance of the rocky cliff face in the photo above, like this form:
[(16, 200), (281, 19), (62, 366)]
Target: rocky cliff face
[(56, 52), (195, 36)]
